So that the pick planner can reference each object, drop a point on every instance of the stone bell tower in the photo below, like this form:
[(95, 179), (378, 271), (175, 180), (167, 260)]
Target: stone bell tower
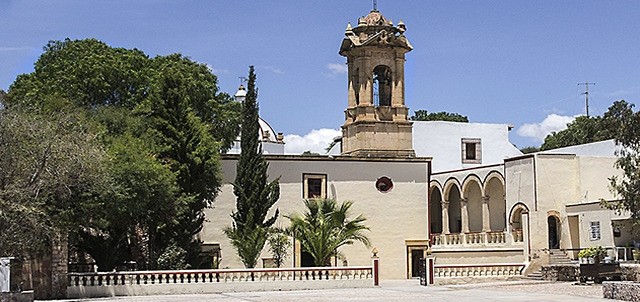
[(376, 123)]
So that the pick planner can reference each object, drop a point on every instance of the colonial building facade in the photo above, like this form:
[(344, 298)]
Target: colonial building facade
[(461, 191), (377, 169)]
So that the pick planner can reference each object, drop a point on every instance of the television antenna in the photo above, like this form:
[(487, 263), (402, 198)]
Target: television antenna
[(586, 94)]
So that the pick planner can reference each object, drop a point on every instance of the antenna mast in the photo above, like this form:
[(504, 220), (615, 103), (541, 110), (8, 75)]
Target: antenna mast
[(586, 94)]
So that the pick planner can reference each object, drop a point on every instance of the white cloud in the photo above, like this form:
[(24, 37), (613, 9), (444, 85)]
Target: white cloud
[(216, 71), (337, 68), (315, 141), (551, 123), (272, 69), (4, 48)]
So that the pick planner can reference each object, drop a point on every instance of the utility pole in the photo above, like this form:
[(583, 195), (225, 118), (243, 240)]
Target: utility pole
[(586, 94)]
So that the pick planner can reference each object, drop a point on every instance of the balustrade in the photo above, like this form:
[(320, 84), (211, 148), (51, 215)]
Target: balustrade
[(219, 276), (475, 270), (488, 238), (517, 235)]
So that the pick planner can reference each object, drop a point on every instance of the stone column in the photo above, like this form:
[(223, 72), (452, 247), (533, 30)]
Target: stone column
[(525, 235), (464, 215), (445, 217), (486, 216)]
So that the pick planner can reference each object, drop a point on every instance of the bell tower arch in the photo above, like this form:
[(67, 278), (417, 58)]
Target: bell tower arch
[(376, 122)]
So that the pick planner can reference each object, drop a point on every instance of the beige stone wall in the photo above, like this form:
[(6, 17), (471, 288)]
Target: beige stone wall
[(479, 256), (393, 217), (547, 183)]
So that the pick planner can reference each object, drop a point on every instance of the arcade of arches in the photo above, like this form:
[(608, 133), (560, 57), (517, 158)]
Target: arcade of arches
[(473, 206)]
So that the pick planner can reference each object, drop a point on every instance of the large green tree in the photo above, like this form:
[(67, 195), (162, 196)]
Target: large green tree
[(162, 122), (51, 178), (325, 227), (254, 194), (588, 129), (626, 186), (424, 115)]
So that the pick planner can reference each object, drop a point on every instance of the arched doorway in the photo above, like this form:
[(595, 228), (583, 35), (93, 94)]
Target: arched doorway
[(455, 219), (553, 226), (473, 194), (435, 210), (497, 205)]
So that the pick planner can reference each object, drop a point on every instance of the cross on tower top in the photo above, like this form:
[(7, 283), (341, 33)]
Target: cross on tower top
[(375, 5)]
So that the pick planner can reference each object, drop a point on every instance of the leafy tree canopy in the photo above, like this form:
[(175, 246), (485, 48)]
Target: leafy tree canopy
[(588, 129), (530, 149), (625, 125), (51, 178), (424, 115), (161, 121)]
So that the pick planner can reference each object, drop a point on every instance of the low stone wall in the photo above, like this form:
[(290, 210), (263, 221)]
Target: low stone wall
[(621, 290), (561, 272), (571, 272), (630, 271), (25, 296)]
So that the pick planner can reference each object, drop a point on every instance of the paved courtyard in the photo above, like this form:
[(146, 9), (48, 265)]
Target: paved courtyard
[(409, 291)]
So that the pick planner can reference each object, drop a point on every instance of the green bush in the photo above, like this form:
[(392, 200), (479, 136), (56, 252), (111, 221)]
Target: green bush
[(597, 252), (173, 258)]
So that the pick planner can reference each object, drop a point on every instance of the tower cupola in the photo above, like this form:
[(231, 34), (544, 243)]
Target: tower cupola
[(376, 121)]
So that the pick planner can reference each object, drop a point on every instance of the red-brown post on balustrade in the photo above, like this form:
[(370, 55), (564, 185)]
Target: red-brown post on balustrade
[(376, 260)]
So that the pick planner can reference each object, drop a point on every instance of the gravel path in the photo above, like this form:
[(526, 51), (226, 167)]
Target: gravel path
[(565, 288), (403, 291)]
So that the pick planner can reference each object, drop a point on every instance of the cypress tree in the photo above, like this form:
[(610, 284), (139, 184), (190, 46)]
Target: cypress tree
[(254, 195)]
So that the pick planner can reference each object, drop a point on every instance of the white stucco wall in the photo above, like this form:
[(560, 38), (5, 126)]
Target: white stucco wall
[(601, 149), (442, 141), (393, 217)]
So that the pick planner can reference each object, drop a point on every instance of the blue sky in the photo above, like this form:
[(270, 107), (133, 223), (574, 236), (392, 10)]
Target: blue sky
[(514, 62)]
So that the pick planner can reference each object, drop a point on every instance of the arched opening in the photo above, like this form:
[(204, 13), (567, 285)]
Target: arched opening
[(473, 193), (355, 82), (553, 225), (382, 80), (515, 221), (435, 211), (497, 204), (455, 219)]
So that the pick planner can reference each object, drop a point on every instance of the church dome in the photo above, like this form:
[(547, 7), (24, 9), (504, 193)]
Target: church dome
[(271, 141), (375, 18), (266, 131)]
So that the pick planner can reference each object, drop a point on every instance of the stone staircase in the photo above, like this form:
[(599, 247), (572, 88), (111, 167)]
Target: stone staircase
[(556, 256), (535, 275)]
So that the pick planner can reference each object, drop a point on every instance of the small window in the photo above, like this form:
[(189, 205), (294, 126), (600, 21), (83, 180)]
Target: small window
[(471, 151), (594, 233), (384, 184), (314, 186)]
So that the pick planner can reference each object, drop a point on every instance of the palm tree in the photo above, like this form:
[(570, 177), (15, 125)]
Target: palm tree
[(325, 227)]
